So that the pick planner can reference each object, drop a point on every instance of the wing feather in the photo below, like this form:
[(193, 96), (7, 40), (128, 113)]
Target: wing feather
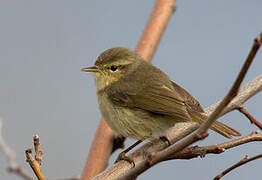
[(155, 99)]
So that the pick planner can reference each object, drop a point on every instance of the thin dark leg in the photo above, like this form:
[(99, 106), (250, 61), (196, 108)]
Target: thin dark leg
[(119, 142), (132, 146)]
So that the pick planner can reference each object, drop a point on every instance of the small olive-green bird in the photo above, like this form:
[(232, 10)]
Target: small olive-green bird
[(138, 100)]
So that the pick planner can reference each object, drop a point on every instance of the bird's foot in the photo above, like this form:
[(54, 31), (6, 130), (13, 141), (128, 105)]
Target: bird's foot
[(165, 140), (122, 156)]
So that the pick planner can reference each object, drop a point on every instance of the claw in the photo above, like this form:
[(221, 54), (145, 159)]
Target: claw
[(122, 156), (165, 140)]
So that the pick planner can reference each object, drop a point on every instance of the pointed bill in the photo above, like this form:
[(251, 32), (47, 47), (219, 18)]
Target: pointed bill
[(90, 69)]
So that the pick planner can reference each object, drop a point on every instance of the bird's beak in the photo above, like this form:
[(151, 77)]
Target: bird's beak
[(90, 69)]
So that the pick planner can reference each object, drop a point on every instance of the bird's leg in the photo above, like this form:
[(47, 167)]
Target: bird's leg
[(122, 155), (165, 140), (119, 142)]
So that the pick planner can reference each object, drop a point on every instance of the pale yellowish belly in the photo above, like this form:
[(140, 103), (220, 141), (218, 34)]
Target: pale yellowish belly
[(134, 123)]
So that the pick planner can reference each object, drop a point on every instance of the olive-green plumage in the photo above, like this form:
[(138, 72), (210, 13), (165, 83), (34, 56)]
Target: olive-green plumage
[(138, 100)]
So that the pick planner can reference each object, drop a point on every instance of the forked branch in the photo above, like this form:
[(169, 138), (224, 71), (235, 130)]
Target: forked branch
[(13, 167), (35, 161)]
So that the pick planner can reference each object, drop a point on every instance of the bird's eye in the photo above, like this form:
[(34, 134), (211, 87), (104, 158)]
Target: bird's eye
[(113, 68)]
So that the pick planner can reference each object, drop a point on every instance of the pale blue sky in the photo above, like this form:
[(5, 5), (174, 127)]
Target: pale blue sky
[(43, 45)]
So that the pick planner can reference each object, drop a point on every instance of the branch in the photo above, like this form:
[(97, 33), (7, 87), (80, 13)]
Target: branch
[(155, 28), (125, 170), (243, 161), (252, 88), (194, 152), (100, 151), (10, 154), (245, 93), (250, 117), (102, 144), (35, 162)]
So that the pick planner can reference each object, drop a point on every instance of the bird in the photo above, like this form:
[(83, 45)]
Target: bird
[(140, 101)]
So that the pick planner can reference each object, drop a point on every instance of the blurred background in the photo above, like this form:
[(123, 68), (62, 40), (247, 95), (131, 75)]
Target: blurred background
[(43, 45)]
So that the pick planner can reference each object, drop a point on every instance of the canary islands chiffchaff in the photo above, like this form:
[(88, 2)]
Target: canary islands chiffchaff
[(138, 100)]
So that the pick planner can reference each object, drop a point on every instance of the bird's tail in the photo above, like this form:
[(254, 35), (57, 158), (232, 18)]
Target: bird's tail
[(217, 126), (224, 129)]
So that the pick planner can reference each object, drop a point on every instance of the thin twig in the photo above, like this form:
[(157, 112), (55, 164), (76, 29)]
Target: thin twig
[(250, 117), (102, 144), (13, 167), (245, 93), (38, 152), (234, 89), (196, 151), (243, 161), (33, 162)]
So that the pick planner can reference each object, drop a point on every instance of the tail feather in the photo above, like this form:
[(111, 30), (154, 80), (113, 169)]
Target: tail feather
[(224, 129), (217, 126)]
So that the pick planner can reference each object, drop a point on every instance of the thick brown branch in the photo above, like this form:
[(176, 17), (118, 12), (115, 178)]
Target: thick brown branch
[(101, 147), (155, 28), (243, 161), (100, 151)]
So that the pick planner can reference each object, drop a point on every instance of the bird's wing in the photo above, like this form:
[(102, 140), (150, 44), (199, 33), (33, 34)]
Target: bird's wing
[(190, 101), (156, 99)]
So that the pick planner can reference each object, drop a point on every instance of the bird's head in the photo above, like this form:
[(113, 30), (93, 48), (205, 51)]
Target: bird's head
[(112, 65)]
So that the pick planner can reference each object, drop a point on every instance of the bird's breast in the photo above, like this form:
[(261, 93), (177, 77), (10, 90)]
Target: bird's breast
[(135, 123)]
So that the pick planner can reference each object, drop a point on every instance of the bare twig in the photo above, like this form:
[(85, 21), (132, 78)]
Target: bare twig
[(245, 93), (13, 167), (193, 152), (145, 163), (33, 162), (250, 117), (243, 161), (38, 152), (102, 147), (235, 88)]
